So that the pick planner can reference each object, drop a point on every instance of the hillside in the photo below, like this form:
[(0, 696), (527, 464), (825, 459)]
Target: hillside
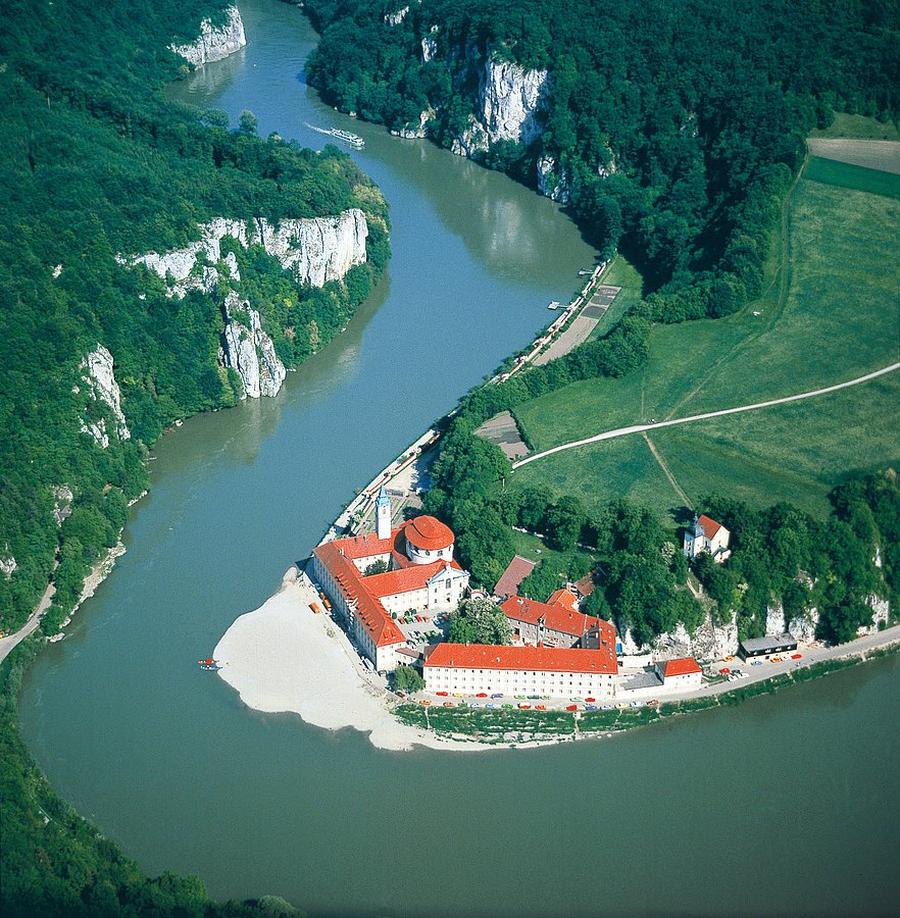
[(99, 355)]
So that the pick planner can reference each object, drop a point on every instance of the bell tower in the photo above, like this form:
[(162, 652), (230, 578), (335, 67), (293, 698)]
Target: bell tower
[(383, 514)]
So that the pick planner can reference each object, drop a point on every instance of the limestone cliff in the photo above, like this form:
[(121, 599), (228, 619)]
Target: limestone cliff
[(416, 130), (429, 45), (315, 250), (512, 99), (215, 42), (8, 563), (710, 642), (396, 17), (553, 180), (248, 350), (100, 381)]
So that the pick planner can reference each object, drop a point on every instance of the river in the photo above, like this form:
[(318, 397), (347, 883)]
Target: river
[(785, 804)]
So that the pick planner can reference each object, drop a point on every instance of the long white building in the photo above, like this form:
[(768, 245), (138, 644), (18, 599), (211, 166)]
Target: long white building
[(552, 672)]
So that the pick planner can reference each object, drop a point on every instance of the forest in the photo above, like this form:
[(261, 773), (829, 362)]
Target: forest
[(96, 162), (677, 125)]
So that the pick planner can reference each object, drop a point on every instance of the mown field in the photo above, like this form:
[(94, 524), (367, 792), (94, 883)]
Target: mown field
[(839, 318), (849, 175)]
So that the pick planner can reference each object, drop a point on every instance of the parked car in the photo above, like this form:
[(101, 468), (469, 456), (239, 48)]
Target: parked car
[(590, 707), (442, 694)]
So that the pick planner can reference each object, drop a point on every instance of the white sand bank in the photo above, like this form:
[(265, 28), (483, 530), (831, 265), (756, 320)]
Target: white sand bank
[(282, 658)]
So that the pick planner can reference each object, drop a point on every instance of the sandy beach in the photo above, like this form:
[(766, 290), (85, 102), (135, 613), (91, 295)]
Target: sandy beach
[(281, 657)]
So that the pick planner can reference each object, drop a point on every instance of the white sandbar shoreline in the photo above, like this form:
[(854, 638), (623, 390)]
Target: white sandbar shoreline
[(281, 657)]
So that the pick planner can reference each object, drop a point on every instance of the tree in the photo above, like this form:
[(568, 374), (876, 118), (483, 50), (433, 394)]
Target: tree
[(376, 567), (479, 621), (407, 679)]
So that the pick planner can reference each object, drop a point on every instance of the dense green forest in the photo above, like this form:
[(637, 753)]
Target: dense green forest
[(677, 123), (95, 162)]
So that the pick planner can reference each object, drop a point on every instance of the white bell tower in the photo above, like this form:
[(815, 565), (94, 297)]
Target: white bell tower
[(383, 514)]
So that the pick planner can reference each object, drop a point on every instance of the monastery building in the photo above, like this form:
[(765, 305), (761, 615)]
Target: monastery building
[(418, 574)]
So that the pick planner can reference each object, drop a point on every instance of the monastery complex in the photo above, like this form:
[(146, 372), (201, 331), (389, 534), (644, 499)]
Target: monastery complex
[(395, 588)]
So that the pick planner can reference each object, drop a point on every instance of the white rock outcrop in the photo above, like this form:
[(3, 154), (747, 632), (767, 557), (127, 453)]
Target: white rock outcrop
[(249, 351), (97, 373), (473, 140), (395, 18), (429, 45), (511, 98), (710, 642), (8, 563), (62, 502), (215, 42), (552, 181), (802, 628), (315, 250), (881, 609), (414, 131)]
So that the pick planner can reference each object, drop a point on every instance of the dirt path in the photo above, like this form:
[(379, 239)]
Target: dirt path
[(640, 428), (10, 642), (667, 471)]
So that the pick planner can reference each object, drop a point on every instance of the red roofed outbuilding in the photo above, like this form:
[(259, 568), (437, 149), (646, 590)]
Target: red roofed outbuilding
[(683, 672)]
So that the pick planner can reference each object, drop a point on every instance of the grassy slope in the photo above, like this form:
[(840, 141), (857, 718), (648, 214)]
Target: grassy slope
[(839, 320), (621, 273), (859, 127)]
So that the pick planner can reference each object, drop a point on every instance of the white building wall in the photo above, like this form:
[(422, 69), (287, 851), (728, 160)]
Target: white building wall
[(683, 681), (518, 682), (362, 563), (428, 555)]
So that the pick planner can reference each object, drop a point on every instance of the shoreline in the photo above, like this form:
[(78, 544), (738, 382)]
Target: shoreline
[(283, 658)]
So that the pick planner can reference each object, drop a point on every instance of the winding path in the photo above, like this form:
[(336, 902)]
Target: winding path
[(11, 641), (640, 428)]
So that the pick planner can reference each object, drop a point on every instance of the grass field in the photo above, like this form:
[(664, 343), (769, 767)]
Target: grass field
[(621, 273), (848, 175), (840, 318), (859, 127)]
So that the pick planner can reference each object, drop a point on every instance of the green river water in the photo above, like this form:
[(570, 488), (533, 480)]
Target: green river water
[(785, 804)]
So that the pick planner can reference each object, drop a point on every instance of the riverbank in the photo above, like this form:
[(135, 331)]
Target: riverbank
[(283, 657)]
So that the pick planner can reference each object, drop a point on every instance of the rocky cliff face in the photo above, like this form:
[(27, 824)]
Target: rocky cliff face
[(553, 181), (802, 628), (416, 131), (8, 563), (100, 381), (396, 17), (511, 100), (215, 42), (248, 350), (429, 45), (711, 642), (315, 250)]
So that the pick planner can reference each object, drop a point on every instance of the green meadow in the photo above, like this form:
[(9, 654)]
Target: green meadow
[(830, 314)]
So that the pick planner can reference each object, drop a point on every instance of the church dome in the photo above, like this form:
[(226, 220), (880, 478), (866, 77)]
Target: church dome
[(426, 532)]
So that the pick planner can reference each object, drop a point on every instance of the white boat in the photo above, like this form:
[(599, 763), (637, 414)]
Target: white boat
[(353, 139), (555, 304)]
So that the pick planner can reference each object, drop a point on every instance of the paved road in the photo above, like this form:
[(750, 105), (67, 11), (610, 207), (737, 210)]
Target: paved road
[(8, 643), (640, 428)]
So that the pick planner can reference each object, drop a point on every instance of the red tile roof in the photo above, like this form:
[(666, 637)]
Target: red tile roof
[(710, 526), (681, 667), (379, 625), (565, 599), (366, 546), (516, 571), (557, 618), (428, 532), (539, 659), (414, 577)]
